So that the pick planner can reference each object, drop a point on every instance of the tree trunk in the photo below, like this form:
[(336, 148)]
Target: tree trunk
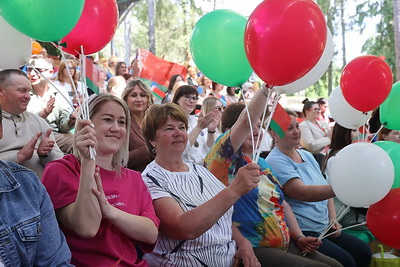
[(330, 26), (127, 37), (152, 37), (396, 13), (343, 30)]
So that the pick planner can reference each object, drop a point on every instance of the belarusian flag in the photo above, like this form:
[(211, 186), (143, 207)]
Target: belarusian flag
[(280, 121), (92, 76), (156, 91), (152, 69)]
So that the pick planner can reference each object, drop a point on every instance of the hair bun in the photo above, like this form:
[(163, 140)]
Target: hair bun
[(305, 101)]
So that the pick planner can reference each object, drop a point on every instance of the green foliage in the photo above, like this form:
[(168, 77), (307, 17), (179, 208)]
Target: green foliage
[(320, 89), (382, 44), (173, 18)]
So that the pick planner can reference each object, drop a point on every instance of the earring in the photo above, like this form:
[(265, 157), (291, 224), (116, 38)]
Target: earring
[(154, 150)]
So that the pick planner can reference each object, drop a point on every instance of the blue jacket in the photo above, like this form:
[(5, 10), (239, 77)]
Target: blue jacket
[(29, 232)]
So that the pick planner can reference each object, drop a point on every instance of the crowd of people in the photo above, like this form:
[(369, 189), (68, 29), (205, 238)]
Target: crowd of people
[(172, 184)]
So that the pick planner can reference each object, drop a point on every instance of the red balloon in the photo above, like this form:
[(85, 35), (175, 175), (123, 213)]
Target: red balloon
[(366, 82), (95, 28), (284, 39), (383, 219)]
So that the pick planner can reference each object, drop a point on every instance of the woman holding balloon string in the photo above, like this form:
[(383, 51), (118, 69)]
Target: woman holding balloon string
[(262, 215), (310, 197), (103, 208), (342, 137)]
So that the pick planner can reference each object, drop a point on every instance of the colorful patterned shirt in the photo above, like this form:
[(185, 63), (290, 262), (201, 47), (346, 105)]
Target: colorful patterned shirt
[(258, 214)]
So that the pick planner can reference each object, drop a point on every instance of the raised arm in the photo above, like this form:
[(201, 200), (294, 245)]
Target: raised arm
[(180, 225), (84, 215), (241, 129)]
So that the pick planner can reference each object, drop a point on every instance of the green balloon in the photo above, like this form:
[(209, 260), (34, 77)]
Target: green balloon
[(43, 20), (393, 150), (217, 47), (390, 109)]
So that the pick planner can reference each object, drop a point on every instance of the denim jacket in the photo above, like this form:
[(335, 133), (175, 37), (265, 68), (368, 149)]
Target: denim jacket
[(29, 232)]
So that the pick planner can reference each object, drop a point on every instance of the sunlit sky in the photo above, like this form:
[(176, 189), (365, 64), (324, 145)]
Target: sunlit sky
[(354, 41)]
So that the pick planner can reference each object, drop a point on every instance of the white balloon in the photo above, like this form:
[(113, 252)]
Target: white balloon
[(344, 114), (15, 47), (361, 174), (314, 74)]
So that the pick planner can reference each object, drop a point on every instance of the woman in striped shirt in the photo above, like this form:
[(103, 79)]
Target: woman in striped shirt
[(194, 207)]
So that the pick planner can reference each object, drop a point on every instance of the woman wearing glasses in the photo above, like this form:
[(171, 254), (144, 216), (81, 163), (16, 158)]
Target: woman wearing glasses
[(201, 129), (315, 134)]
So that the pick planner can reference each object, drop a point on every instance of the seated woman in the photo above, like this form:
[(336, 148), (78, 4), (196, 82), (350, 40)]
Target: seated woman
[(103, 209), (201, 129), (315, 134), (137, 95), (310, 197), (262, 215), (170, 93), (386, 134), (194, 208), (342, 137), (213, 104)]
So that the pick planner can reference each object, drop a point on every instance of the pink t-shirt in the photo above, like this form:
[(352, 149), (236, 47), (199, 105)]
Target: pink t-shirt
[(126, 192)]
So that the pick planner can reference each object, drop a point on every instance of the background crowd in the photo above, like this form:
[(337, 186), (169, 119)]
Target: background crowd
[(173, 183)]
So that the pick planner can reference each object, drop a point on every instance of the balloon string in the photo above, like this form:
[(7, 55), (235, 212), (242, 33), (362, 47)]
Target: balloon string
[(250, 124), (257, 149), (377, 132), (348, 227), (274, 105), (339, 216), (69, 74), (51, 83), (85, 101)]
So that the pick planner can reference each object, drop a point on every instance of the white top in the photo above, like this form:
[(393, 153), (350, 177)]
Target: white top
[(198, 151), (314, 137), (190, 189), (66, 90)]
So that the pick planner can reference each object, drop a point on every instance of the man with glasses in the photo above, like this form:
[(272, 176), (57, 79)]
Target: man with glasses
[(48, 104), (28, 139)]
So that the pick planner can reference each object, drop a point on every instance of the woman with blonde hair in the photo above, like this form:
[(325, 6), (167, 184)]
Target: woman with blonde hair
[(138, 96), (70, 90), (211, 104), (103, 208)]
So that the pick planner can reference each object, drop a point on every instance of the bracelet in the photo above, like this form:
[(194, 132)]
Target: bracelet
[(212, 132), (298, 237), (43, 156)]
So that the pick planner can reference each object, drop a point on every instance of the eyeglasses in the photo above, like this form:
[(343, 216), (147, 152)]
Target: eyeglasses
[(191, 98), (38, 69), (218, 108)]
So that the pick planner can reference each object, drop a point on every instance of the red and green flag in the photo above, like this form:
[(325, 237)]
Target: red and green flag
[(156, 91), (92, 76), (280, 121), (157, 72)]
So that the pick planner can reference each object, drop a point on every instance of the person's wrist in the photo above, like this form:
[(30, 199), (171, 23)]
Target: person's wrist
[(296, 239)]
